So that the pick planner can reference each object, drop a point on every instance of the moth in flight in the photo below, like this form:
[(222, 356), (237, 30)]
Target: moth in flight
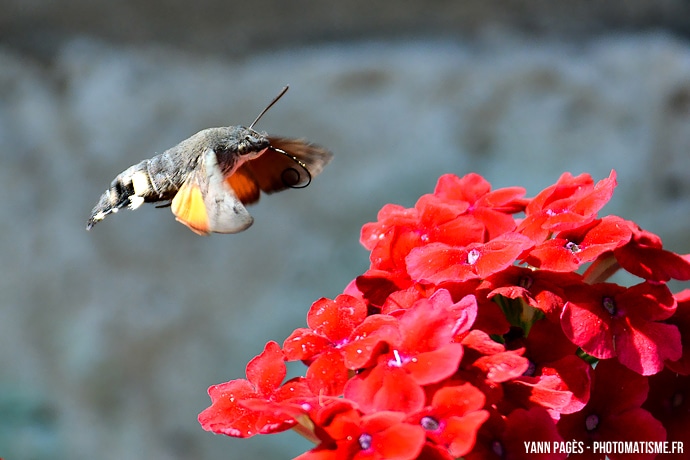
[(208, 178)]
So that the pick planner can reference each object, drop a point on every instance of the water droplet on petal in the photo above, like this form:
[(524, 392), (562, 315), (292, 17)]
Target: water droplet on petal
[(473, 256)]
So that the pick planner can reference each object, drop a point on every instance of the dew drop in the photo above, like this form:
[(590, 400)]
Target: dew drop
[(473, 256)]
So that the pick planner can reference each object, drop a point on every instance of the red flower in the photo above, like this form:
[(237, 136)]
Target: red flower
[(453, 418), (438, 262), (571, 248), (426, 349), (644, 256), (613, 412), (424, 354), (487, 364), (334, 327), (347, 434), (473, 194), (449, 222), (569, 203), (556, 379), (608, 320), (541, 289), (391, 238), (385, 388), (461, 211), (492, 359), (374, 287), (562, 387), (446, 348), (227, 414)]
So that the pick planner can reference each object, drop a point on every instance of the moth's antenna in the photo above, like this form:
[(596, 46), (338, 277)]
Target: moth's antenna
[(275, 99), (291, 177)]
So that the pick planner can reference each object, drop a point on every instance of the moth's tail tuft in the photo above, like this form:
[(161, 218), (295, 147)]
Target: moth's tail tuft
[(109, 203), (136, 185)]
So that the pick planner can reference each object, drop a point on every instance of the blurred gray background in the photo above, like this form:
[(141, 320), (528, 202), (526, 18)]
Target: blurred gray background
[(109, 339)]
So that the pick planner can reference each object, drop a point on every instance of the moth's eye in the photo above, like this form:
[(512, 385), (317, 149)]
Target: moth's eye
[(220, 149), (244, 147)]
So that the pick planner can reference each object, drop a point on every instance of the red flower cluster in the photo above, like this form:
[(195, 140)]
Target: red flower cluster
[(475, 331)]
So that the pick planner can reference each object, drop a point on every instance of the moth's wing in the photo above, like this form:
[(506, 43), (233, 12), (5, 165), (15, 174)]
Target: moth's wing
[(206, 203), (189, 207), (245, 185), (274, 171)]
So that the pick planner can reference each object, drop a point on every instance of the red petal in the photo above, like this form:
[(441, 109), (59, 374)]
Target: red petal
[(502, 367), (367, 340), (375, 286), (647, 301), (438, 262), (553, 255), (390, 215), (398, 442), (480, 341), (296, 388), (469, 188), (461, 231), (304, 344), (500, 253), (335, 319), (226, 415), (327, 374), (434, 366), (508, 199), (643, 347), (267, 370), (457, 401), (432, 323), (643, 256), (385, 388), (568, 204), (563, 386), (460, 433), (588, 326)]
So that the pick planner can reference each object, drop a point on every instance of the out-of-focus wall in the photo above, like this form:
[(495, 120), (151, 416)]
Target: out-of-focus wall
[(241, 27)]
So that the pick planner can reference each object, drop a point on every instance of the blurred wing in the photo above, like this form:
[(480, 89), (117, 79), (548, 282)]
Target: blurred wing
[(274, 171), (189, 208), (206, 203), (245, 185)]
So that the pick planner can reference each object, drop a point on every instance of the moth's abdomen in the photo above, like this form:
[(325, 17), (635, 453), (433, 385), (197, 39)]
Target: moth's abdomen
[(154, 180)]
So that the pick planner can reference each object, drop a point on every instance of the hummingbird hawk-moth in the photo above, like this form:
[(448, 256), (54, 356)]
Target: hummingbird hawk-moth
[(208, 178)]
